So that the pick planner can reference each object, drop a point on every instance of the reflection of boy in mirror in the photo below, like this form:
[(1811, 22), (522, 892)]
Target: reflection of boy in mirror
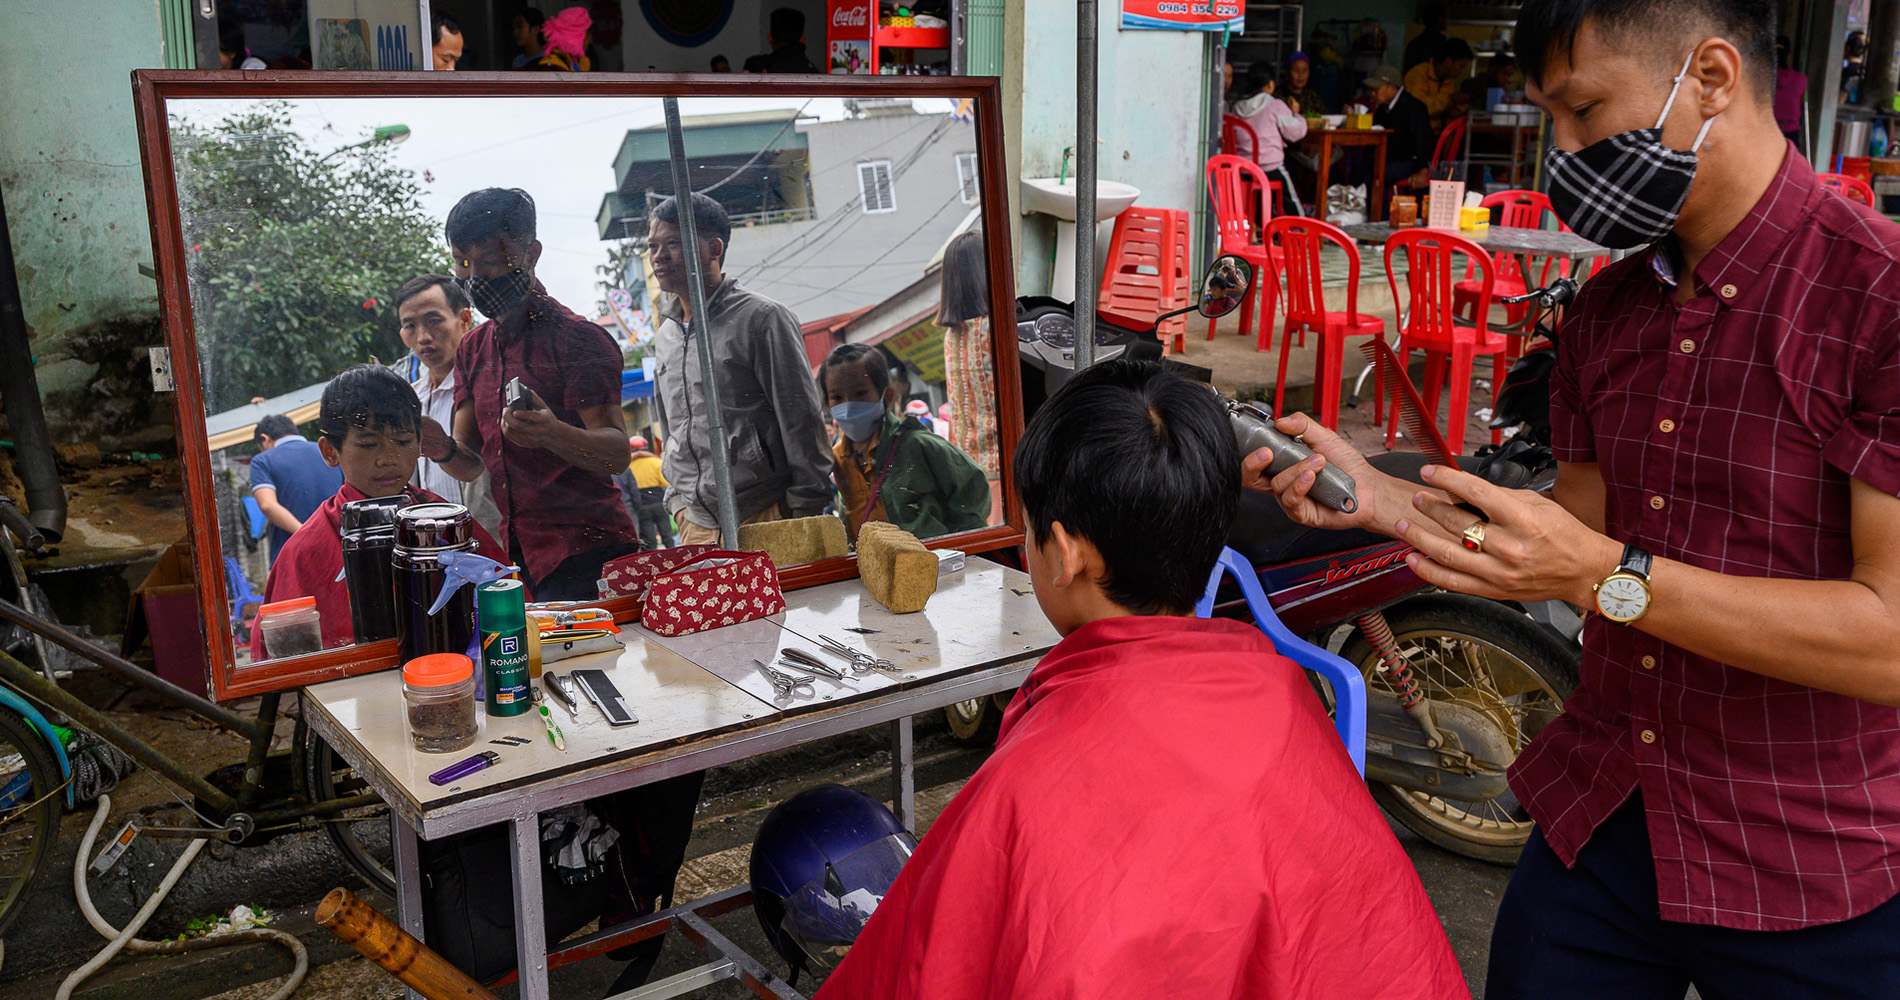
[(1163, 745), (774, 419), (889, 467), (369, 424), (433, 311), (550, 462)]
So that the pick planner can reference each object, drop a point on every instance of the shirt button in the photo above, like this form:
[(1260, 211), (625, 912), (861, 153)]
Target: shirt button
[(1666, 426), (1649, 663), (1686, 347), (1649, 736), (1728, 291), (1656, 503)]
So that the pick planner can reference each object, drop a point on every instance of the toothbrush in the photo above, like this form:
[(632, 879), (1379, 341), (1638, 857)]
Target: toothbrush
[(554, 730)]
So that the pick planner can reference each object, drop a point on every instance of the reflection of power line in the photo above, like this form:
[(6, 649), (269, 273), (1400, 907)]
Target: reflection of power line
[(789, 122), (954, 197)]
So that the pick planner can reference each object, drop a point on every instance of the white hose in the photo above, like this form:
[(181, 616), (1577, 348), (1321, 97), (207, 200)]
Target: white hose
[(124, 938)]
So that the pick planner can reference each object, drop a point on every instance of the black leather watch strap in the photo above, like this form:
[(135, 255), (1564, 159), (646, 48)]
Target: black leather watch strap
[(1636, 560)]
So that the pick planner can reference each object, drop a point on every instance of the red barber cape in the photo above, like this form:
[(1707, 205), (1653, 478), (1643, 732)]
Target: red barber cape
[(1168, 813), (311, 565)]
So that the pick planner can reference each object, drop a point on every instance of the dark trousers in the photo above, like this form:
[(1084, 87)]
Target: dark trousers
[(649, 516), (1593, 932), (577, 578)]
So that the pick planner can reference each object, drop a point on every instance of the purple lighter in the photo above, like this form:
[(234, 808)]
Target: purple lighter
[(465, 768)]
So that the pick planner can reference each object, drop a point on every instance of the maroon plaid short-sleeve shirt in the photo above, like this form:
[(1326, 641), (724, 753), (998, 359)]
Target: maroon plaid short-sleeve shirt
[(1726, 430)]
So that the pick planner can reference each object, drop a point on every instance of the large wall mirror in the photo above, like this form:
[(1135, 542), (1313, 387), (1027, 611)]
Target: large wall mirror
[(505, 258)]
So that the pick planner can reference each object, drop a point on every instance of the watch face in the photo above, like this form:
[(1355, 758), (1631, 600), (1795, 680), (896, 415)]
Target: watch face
[(1622, 598)]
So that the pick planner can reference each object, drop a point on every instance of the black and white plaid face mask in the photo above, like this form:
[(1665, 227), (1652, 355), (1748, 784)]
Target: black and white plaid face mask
[(1625, 191)]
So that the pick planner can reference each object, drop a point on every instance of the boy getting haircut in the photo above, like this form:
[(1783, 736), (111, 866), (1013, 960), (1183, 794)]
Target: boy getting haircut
[(1130, 835), (378, 405)]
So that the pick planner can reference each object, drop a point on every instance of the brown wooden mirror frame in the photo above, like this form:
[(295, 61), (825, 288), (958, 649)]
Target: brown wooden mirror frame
[(152, 89)]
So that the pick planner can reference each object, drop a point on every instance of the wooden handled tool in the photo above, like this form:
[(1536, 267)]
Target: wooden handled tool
[(380, 940)]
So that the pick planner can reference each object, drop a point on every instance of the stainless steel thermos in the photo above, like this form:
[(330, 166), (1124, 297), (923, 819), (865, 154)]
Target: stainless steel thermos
[(423, 532)]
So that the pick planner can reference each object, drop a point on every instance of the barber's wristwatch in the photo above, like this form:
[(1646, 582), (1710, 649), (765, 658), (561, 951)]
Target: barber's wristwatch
[(1623, 596)]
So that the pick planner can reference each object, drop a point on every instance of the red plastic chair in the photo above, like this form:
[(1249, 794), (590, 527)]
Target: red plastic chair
[(1233, 129), (1238, 188), (1451, 142), (1518, 210), (1852, 188), (1451, 343), (1299, 242), (1146, 273)]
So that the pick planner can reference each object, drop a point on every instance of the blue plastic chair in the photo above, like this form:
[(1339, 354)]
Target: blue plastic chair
[(1349, 689), (238, 589)]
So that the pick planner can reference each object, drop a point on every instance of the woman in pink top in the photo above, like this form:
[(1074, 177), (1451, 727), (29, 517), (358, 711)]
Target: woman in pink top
[(1276, 122)]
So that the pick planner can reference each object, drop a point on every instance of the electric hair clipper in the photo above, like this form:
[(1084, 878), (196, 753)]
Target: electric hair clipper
[(1254, 430)]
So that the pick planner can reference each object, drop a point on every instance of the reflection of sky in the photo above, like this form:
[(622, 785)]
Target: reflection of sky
[(560, 150)]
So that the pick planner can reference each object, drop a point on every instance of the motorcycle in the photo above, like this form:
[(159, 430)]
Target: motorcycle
[(1457, 686)]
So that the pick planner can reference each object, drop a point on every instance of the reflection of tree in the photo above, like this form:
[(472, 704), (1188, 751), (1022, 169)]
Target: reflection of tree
[(621, 257), (294, 259)]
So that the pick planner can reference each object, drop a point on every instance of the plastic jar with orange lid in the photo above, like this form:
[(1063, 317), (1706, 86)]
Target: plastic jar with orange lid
[(439, 690)]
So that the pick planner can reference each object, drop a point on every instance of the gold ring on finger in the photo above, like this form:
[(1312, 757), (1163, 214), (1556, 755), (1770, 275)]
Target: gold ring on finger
[(1474, 537)]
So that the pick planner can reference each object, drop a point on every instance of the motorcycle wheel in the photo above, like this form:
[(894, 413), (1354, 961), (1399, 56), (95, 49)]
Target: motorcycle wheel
[(31, 797), (1488, 660), (974, 723), (362, 835)]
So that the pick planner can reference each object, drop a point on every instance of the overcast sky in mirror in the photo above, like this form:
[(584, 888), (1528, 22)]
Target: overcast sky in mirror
[(560, 150)]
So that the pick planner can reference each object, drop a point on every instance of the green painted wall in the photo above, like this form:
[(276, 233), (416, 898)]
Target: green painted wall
[(69, 167)]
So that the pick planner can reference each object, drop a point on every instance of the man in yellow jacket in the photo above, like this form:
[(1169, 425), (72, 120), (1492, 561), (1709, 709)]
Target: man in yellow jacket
[(643, 488), (1439, 81)]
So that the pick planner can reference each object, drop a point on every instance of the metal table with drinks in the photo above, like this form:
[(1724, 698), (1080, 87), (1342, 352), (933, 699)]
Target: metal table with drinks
[(1525, 244), (701, 701)]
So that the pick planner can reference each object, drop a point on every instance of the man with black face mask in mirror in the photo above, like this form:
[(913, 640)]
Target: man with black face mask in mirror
[(779, 455), (550, 451)]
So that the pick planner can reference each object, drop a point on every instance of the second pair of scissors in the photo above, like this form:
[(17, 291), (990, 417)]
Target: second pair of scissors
[(861, 661), (798, 659)]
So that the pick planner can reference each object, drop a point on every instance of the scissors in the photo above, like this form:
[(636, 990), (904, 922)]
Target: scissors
[(798, 659), (784, 684), (861, 662)]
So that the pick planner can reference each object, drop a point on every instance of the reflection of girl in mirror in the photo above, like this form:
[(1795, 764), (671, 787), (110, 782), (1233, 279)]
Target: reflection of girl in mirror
[(889, 468), (969, 365)]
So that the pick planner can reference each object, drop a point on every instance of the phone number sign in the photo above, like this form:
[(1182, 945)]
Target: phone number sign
[(1184, 15)]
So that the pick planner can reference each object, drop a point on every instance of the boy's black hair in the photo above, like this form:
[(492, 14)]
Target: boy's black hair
[(1141, 461), (367, 396), (1547, 29), (966, 280), (875, 363), (785, 25), (1453, 49), (274, 426), (483, 215), (710, 221), (452, 290)]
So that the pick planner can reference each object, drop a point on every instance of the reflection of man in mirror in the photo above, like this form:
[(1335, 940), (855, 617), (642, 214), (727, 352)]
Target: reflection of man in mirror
[(368, 429), (434, 313), (551, 456), (777, 446), (785, 31), (1223, 288), (288, 478)]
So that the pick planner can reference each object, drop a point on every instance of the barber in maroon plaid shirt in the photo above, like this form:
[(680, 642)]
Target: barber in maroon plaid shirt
[(1719, 804)]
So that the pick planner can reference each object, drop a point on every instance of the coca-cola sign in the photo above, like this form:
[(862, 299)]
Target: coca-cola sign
[(855, 16)]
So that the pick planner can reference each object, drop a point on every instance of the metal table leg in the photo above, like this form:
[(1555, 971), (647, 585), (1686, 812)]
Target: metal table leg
[(408, 861), (531, 947), (903, 774)]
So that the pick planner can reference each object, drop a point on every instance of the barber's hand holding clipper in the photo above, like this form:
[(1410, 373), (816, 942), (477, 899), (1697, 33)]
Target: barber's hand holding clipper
[(529, 423)]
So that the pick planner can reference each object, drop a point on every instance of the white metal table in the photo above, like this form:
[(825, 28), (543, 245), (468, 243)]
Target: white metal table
[(701, 703)]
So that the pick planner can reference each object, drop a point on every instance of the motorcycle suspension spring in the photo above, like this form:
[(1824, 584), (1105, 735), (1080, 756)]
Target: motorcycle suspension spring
[(1392, 666)]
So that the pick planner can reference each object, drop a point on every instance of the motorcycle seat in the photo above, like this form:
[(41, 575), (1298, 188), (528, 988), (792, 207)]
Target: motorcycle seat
[(1266, 537)]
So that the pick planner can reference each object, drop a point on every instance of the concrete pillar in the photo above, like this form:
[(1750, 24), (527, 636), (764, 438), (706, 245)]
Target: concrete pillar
[(1883, 55), (1827, 33)]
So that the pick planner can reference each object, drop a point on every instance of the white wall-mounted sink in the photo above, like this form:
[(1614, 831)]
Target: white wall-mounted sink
[(1053, 197)]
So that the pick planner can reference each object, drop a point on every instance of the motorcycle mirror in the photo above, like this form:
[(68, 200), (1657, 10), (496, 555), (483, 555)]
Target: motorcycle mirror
[(1225, 286)]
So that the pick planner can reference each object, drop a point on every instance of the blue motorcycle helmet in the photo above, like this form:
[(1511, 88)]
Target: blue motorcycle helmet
[(822, 861)]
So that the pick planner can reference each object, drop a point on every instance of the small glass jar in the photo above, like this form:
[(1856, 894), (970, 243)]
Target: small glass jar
[(291, 628), (439, 693)]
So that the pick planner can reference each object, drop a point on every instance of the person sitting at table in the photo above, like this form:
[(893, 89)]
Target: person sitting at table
[(1127, 838), (1408, 150), (370, 426), (1275, 122), (889, 467), (1439, 83)]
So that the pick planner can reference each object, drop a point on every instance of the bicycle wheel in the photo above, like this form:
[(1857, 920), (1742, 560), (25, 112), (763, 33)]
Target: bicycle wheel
[(31, 795), (360, 835)]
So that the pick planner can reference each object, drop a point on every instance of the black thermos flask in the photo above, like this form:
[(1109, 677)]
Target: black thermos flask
[(423, 532), (369, 535)]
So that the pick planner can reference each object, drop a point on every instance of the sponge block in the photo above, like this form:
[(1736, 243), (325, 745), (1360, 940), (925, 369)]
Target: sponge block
[(896, 568), (794, 541)]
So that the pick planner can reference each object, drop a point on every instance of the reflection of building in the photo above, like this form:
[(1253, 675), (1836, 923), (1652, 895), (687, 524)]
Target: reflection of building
[(828, 217)]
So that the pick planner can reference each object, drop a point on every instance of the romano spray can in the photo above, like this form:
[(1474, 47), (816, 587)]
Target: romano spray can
[(503, 614)]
